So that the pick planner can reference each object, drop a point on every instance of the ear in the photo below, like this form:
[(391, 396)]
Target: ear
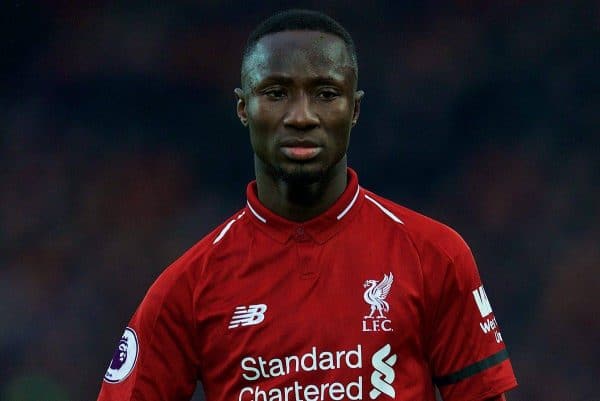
[(357, 98), (241, 106)]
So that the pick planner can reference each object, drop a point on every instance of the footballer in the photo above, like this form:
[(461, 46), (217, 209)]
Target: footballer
[(317, 289)]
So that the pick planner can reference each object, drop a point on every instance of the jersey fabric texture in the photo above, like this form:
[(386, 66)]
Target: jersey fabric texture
[(369, 300)]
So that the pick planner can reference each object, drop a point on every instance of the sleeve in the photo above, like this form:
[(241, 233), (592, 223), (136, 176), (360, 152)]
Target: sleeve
[(467, 355), (155, 358)]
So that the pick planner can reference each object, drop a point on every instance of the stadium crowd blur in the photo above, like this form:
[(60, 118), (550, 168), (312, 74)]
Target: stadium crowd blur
[(120, 148)]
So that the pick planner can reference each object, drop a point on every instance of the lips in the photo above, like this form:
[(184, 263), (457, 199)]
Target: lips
[(300, 149), (300, 153)]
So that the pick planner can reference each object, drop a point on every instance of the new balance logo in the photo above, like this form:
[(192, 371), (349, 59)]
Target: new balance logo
[(248, 316), (383, 375), (482, 302)]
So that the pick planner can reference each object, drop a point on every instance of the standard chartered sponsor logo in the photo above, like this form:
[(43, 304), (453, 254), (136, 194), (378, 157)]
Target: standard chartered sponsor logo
[(257, 369), (310, 392), (383, 375)]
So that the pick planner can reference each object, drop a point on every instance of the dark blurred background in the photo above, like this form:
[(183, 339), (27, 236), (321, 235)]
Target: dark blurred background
[(120, 149)]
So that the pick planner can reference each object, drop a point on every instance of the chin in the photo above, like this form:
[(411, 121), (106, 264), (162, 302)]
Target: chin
[(302, 174)]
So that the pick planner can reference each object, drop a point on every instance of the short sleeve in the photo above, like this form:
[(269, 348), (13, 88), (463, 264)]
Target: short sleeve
[(155, 358), (467, 354)]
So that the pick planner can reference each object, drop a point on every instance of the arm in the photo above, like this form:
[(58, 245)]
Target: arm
[(156, 358), (466, 350)]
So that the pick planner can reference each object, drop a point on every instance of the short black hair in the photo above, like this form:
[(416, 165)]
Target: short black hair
[(300, 20)]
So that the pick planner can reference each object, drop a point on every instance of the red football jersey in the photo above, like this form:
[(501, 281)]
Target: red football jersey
[(368, 301)]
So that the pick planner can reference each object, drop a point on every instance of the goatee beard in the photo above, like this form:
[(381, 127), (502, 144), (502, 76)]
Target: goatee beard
[(299, 176)]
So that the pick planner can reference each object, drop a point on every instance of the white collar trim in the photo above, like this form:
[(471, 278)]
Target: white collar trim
[(258, 216), (347, 209)]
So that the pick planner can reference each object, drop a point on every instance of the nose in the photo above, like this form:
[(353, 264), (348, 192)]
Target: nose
[(300, 114)]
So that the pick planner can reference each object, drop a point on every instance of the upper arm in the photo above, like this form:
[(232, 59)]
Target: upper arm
[(156, 359), (466, 352)]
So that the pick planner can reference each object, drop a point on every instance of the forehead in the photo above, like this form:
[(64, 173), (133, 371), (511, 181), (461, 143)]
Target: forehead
[(298, 54)]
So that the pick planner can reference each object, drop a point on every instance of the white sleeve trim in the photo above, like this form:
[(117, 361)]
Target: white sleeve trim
[(227, 227), (384, 210)]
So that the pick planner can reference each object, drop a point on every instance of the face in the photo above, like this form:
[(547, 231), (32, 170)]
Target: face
[(299, 103)]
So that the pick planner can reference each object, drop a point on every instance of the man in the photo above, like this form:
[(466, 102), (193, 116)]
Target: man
[(318, 289)]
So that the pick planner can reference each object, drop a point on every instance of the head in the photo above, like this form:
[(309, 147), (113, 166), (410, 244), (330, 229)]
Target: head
[(298, 96)]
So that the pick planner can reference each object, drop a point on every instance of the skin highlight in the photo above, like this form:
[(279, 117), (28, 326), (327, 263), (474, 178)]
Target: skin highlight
[(299, 103)]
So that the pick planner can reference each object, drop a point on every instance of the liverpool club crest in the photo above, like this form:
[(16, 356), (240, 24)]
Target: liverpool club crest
[(375, 294)]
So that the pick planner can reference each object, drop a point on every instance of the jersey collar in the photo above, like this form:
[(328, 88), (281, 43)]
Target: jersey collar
[(320, 228)]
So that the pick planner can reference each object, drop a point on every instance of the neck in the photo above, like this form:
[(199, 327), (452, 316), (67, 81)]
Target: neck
[(300, 201)]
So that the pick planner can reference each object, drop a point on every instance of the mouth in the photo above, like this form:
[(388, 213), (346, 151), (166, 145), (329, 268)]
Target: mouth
[(300, 149)]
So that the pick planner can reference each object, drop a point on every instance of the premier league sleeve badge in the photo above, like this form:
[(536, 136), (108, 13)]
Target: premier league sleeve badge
[(124, 358)]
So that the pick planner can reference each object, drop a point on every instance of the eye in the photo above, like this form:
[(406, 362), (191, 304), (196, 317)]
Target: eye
[(275, 93), (327, 94)]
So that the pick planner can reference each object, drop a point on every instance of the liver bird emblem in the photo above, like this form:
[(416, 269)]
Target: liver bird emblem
[(375, 295)]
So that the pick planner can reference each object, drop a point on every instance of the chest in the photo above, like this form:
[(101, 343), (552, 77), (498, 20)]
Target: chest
[(302, 295), (341, 318)]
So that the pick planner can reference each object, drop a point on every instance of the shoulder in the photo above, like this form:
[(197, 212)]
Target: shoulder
[(444, 259), (427, 234), (191, 264)]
